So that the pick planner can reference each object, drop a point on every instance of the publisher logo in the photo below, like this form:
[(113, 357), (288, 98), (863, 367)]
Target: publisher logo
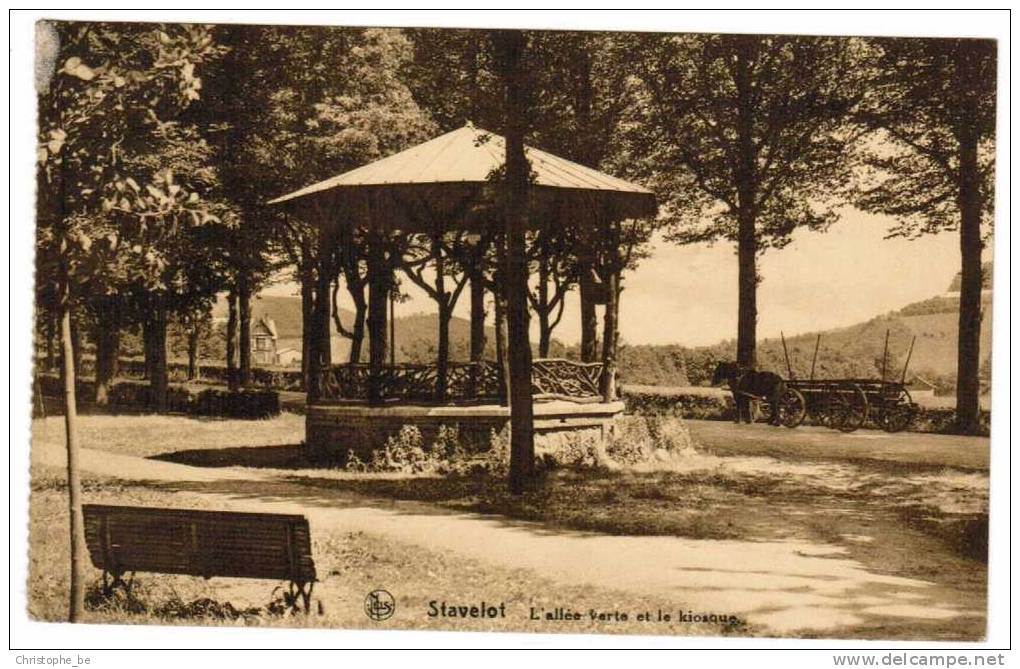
[(380, 605)]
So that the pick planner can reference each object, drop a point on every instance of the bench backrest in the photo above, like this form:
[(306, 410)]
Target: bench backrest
[(199, 543)]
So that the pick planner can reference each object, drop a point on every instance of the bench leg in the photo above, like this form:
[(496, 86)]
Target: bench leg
[(304, 591), (115, 579)]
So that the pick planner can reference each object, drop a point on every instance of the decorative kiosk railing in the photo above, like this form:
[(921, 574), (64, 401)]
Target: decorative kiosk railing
[(466, 382), (357, 412)]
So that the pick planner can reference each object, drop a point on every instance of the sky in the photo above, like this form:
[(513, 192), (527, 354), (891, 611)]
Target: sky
[(688, 294)]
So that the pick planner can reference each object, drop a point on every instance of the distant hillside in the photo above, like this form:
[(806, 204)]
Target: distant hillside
[(854, 351), (986, 279), (415, 334), (857, 350), (283, 309)]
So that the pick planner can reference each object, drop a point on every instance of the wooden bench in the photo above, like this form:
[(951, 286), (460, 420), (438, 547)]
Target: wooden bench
[(124, 539)]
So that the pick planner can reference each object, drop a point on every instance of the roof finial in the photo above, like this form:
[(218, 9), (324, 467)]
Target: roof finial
[(469, 124)]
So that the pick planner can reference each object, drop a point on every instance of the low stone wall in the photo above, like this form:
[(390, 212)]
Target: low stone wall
[(333, 430)]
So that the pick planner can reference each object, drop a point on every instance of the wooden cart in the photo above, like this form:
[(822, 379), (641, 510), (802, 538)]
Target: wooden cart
[(847, 404)]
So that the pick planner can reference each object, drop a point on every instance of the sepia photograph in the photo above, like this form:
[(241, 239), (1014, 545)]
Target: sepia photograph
[(549, 331)]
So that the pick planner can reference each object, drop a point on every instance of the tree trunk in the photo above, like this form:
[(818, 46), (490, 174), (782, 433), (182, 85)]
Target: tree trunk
[(477, 288), (115, 348), (501, 356), (968, 388), (193, 336), (76, 343), (747, 296), (747, 242), (356, 334), (147, 347), (522, 443), (443, 354), (232, 340), (52, 337), (158, 382), (307, 288), (76, 608), (589, 319), (358, 327), (443, 336), (357, 292), (321, 348), (378, 296), (610, 335), (544, 334), (107, 350), (476, 353), (244, 339)]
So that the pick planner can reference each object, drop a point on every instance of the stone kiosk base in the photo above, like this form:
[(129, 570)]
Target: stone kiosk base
[(334, 429)]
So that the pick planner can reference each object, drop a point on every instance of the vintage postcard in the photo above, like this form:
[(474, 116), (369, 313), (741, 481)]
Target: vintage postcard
[(513, 330)]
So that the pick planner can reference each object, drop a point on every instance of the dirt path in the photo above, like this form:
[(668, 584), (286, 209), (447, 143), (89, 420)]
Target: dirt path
[(778, 587), (903, 448)]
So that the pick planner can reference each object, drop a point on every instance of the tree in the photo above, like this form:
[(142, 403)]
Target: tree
[(439, 249), (301, 104), (454, 75), (510, 46), (929, 163), (353, 271), (743, 137), (581, 99), (110, 99), (555, 254)]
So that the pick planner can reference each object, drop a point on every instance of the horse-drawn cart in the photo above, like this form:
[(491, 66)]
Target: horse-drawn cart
[(846, 404)]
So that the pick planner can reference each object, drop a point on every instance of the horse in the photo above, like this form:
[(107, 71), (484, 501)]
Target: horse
[(746, 384)]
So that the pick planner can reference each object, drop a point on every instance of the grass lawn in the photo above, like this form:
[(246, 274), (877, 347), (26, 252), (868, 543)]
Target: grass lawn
[(147, 435), (928, 523), (927, 526), (349, 564)]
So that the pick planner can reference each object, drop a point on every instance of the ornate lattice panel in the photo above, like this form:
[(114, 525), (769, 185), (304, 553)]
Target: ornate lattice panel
[(555, 377), (465, 381)]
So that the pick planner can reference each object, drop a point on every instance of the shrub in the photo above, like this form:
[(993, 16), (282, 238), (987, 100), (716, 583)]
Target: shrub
[(51, 385), (943, 421), (133, 395), (240, 404), (353, 463), (130, 395), (698, 406), (703, 406), (408, 452), (405, 452), (631, 441), (447, 444), (640, 438), (579, 449), (671, 434)]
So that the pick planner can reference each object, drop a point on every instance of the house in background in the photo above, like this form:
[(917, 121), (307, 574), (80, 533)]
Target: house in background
[(263, 341), (921, 387), (288, 357)]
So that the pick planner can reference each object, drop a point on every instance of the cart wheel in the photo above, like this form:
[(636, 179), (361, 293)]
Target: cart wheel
[(847, 407), (792, 408), (897, 412)]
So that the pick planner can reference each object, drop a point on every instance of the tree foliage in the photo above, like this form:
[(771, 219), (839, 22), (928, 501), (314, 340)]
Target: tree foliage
[(920, 104), (729, 123)]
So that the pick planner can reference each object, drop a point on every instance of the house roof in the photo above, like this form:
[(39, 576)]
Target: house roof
[(268, 325), (442, 173)]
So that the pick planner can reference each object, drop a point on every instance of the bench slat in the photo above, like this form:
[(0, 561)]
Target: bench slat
[(199, 543)]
